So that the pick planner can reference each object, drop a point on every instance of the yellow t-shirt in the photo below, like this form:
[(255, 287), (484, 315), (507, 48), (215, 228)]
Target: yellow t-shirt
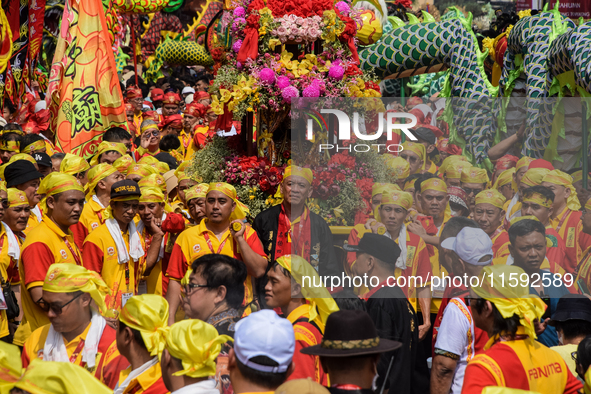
[(7, 264), (92, 216)]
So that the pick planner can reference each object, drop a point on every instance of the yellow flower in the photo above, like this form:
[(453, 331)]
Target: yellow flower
[(360, 83), (273, 42), (251, 197), (217, 107), (265, 11), (226, 95), (262, 30), (239, 95), (323, 68)]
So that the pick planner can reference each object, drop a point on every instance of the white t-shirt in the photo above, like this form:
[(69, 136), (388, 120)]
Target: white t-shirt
[(456, 335)]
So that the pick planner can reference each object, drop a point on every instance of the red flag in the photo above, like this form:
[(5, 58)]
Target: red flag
[(84, 94), (36, 17)]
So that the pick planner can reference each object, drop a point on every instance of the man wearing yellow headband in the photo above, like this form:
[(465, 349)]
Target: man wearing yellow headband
[(195, 199), (9, 146), (123, 163), (505, 184), (292, 228), (189, 358), (150, 140), (305, 307), (33, 143), (582, 194), (98, 193), (141, 335), (414, 256), (512, 357), (513, 207), (583, 272), (49, 243), (537, 201), (120, 135), (13, 223), (184, 183), (77, 333), (473, 180), (138, 171), (453, 173), (414, 153), (217, 234), (108, 152), (489, 215), (116, 249), (566, 215), (400, 170), (152, 215), (76, 166)]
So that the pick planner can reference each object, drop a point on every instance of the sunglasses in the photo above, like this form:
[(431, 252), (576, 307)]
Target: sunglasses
[(55, 308), (5, 203), (472, 191), (154, 133)]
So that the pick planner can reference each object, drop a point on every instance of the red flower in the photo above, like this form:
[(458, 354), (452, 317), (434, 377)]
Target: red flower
[(352, 70), (340, 177), (265, 184), (343, 159)]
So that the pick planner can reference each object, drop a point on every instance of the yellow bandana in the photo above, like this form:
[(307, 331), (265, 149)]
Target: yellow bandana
[(534, 176), (97, 174), (578, 176), (151, 194), (11, 367), (510, 300), (152, 161), (148, 313), (22, 156), (197, 191), (150, 126), (399, 167), (35, 146), (56, 183), (490, 196), (560, 178), (3, 186), (395, 197), (16, 198), (520, 218), (523, 162), (379, 188), (154, 180), (197, 344), (123, 163), (418, 149), (434, 184), (409, 184), (72, 164), (505, 178), (318, 297), (48, 377), (105, 147), (450, 160), (70, 278), (305, 173), (11, 146), (141, 170), (474, 175), (539, 199), (241, 210), (455, 169)]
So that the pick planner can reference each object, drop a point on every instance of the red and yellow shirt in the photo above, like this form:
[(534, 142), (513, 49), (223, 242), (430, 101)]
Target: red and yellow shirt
[(500, 240), (520, 364), (45, 245), (569, 227), (100, 255), (108, 362), (148, 382)]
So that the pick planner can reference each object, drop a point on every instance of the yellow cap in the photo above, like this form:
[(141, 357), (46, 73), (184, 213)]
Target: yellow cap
[(73, 164), (70, 278), (523, 162), (505, 178), (305, 173), (147, 313), (141, 170), (417, 148), (53, 377), (154, 180), (197, 344), (449, 160), (152, 194), (433, 184), (454, 169), (490, 196), (197, 191), (154, 162), (399, 167)]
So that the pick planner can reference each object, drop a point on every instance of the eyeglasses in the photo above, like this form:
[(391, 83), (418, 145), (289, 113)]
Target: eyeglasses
[(5, 203), (574, 356), (55, 308), (155, 133), (190, 286), (472, 191)]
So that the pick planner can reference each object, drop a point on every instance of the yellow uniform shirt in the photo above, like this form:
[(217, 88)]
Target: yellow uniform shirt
[(45, 245), (33, 222), (100, 255), (92, 216), (148, 382), (9, 272)]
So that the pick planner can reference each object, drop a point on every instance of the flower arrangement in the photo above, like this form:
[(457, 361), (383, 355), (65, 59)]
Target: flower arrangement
[(262, 72)]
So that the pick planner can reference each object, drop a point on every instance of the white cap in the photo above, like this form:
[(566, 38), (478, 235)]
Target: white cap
[(188, 89), (264, 333), (40, 105), (189, 99), (471, 245)]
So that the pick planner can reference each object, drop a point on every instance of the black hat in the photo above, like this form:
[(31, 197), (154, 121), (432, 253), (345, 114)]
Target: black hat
[(42, 159), (125, 188), (378, 246), (19, 172), (168, 159), (572, 307), (425, 134), (350, 333)]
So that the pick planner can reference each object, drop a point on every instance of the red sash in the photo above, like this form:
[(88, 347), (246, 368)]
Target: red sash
[(300, 235)]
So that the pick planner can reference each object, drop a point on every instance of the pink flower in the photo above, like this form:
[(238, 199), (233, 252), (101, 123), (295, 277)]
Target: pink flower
[(282, 82), (289, 92), (311, 91), (236, 46), (239, 12), (343, 8), (336, 72), (267, 75), (313, 33)]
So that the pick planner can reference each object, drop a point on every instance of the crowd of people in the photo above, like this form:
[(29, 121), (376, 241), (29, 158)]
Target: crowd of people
[(124, 274)]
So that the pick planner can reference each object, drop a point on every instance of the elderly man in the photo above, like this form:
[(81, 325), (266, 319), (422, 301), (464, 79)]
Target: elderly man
[(77, 333), (489, 215), (566, 216), (195, 198), (473, 180), (291, 228), (116, 249), (23, 175), (223, 232), (415, 154), (512, 315)]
